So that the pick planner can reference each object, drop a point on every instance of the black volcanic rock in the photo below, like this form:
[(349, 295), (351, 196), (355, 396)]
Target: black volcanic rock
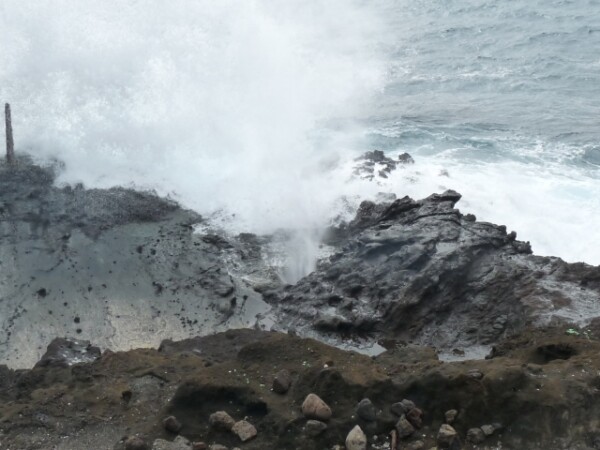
[(423, 272), (66, 352)]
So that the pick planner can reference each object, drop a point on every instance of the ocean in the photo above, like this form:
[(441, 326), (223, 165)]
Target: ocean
[(252, 112)]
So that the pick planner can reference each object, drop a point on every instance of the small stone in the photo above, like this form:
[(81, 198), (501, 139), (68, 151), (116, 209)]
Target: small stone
[(474, 373), (451, 416), (220, 420), (415, 417), (171, 424), (402, 407), (488, 430), (366, 410), (244, 430), (199, 446), (404, 427), (282, 382), (447, 438), (356, 439), (217, 447), (475, 435), (135, 443), (315, 408), (416, 445), (314, 427)]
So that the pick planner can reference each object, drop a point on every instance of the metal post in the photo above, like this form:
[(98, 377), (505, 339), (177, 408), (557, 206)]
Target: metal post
[(10, 143)]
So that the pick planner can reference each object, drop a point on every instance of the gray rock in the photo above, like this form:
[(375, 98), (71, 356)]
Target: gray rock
[(217, 447), (447, 438), (488, 430), (135, 443), (403, 407), (314, 407), (475, 435), (221, 420), (451, 415), (404, 427), (244, 430), (115, 246), (282, 382), (64, 352), (474, 373), (356, 439), (171, 424), (366, 410), (314, 427)]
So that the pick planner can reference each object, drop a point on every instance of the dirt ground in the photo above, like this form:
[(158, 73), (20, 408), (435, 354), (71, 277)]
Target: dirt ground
[(540, 390)]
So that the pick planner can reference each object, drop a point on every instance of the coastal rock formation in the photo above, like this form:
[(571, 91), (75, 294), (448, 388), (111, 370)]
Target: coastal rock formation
[(423, 272), (117, 267)]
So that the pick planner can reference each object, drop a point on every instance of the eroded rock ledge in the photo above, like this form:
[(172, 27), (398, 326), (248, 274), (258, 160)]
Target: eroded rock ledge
[(423, 272)]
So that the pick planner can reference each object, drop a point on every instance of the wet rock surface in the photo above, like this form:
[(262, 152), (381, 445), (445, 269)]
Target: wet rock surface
[(422, 272), (117, 267)]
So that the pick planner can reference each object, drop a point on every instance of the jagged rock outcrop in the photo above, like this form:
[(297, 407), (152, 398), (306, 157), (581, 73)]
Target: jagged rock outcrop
[(422, 271)]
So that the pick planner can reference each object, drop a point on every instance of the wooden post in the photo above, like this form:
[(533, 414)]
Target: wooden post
[(10, 143)]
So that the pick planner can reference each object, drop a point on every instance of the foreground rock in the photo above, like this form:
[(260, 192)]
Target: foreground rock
[(315, 408), (356, 439), (541, 403), (244, 430)]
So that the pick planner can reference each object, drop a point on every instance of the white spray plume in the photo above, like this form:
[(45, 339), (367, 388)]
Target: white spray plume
[(222, 104)]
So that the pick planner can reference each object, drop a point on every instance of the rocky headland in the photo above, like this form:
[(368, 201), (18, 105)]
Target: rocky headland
[(173, 335)]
